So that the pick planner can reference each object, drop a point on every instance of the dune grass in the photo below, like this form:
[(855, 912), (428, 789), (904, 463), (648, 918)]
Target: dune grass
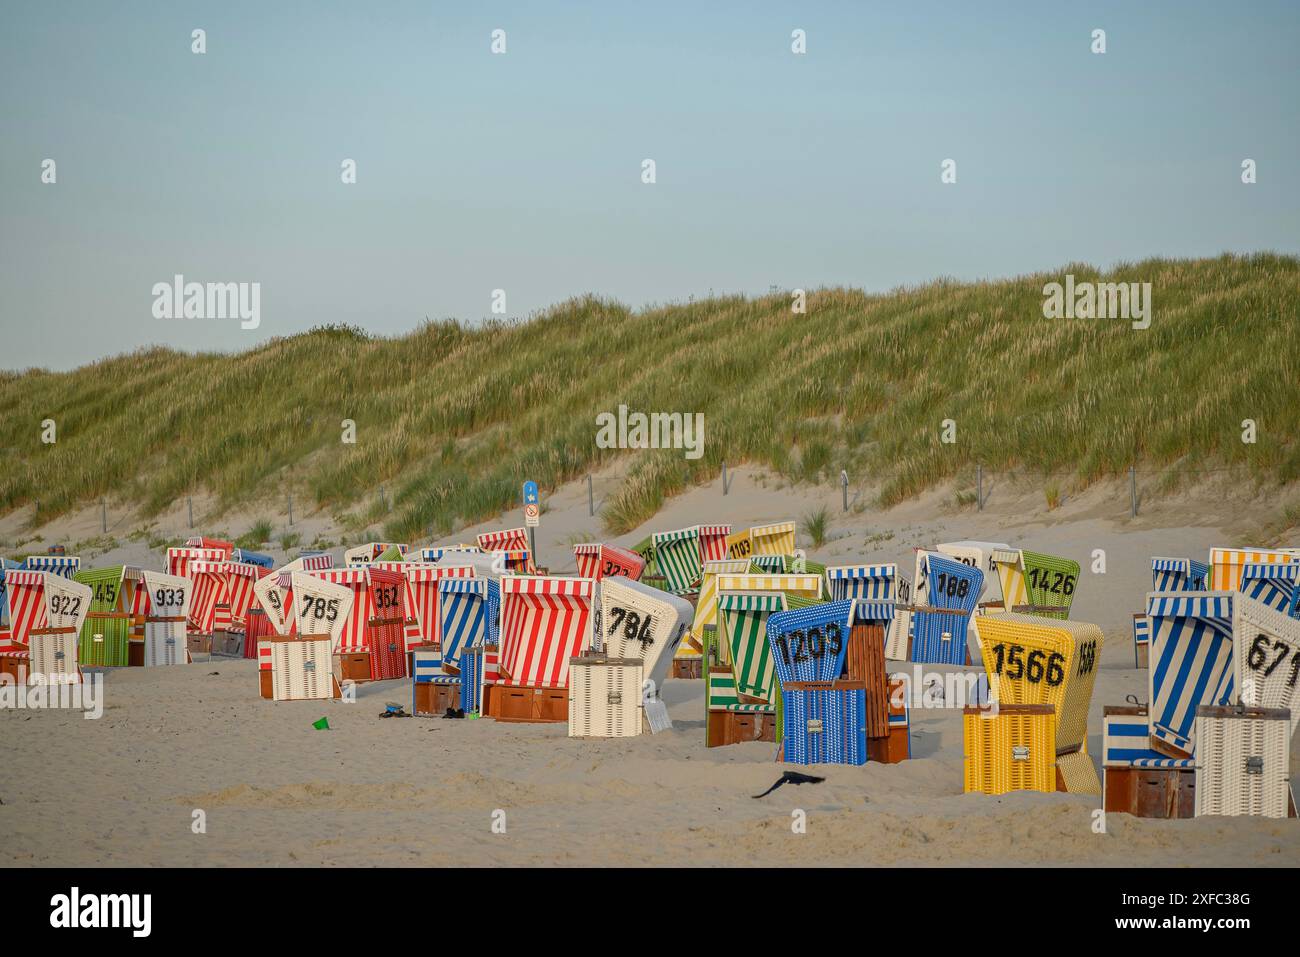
[(452, 418)]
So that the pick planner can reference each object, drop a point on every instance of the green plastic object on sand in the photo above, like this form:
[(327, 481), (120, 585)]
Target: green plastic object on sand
[(322, 725)]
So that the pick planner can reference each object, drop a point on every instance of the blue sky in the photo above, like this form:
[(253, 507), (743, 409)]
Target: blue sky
[(522, 172)]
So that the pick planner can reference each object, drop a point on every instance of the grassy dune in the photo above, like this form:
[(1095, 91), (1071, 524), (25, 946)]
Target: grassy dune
[(452, 418)]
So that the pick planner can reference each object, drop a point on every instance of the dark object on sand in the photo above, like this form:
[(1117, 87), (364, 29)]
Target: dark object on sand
[(791, 777), (454, 713), (394, 711)]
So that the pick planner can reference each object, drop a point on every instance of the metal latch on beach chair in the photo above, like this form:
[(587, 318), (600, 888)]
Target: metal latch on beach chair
[(309, 666), (1255, 765), (615, 697), (1020, 753), (814, 726)]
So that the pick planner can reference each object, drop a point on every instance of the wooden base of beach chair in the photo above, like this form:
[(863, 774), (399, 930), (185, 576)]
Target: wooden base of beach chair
[(135, 652), (265, 684), (197, 644), (436, 698), (892, 748), (688, 667), (1165, 793), (1142, 656), (13, 669), (513, 703), (737, 727), (352, 666), (228, 644)]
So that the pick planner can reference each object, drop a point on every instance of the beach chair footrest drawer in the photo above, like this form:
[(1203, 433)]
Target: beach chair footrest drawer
[(513, 703), (1165, 793), (352, 666), (436, 697), (891, 748), (688, 667), (737, 727)]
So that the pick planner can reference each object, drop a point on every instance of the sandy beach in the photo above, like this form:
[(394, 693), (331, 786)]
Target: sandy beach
[(125, 789)]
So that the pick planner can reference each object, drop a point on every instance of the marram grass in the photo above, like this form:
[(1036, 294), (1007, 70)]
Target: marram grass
[(451, 418)]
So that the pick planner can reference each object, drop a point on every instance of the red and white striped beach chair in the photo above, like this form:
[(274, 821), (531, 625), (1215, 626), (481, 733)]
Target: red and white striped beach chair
[(596, 560), (514, 543), (46, 612), (372, 643), (545, 621)]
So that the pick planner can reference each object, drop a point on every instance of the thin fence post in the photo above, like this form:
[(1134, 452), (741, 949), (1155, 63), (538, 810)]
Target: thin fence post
[(103, 515), (724, 478), (844, 488), (1132, 492), (979, 488), (189, 504), (591, 497), (290, 498)]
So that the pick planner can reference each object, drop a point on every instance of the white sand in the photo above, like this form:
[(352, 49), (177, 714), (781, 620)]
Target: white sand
[(122, 790)]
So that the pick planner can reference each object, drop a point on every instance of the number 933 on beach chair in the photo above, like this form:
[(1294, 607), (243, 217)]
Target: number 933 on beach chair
[(46, 613), (1036, 583), (545, 622), (1033, 660), (166, 617), (106, 634)]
